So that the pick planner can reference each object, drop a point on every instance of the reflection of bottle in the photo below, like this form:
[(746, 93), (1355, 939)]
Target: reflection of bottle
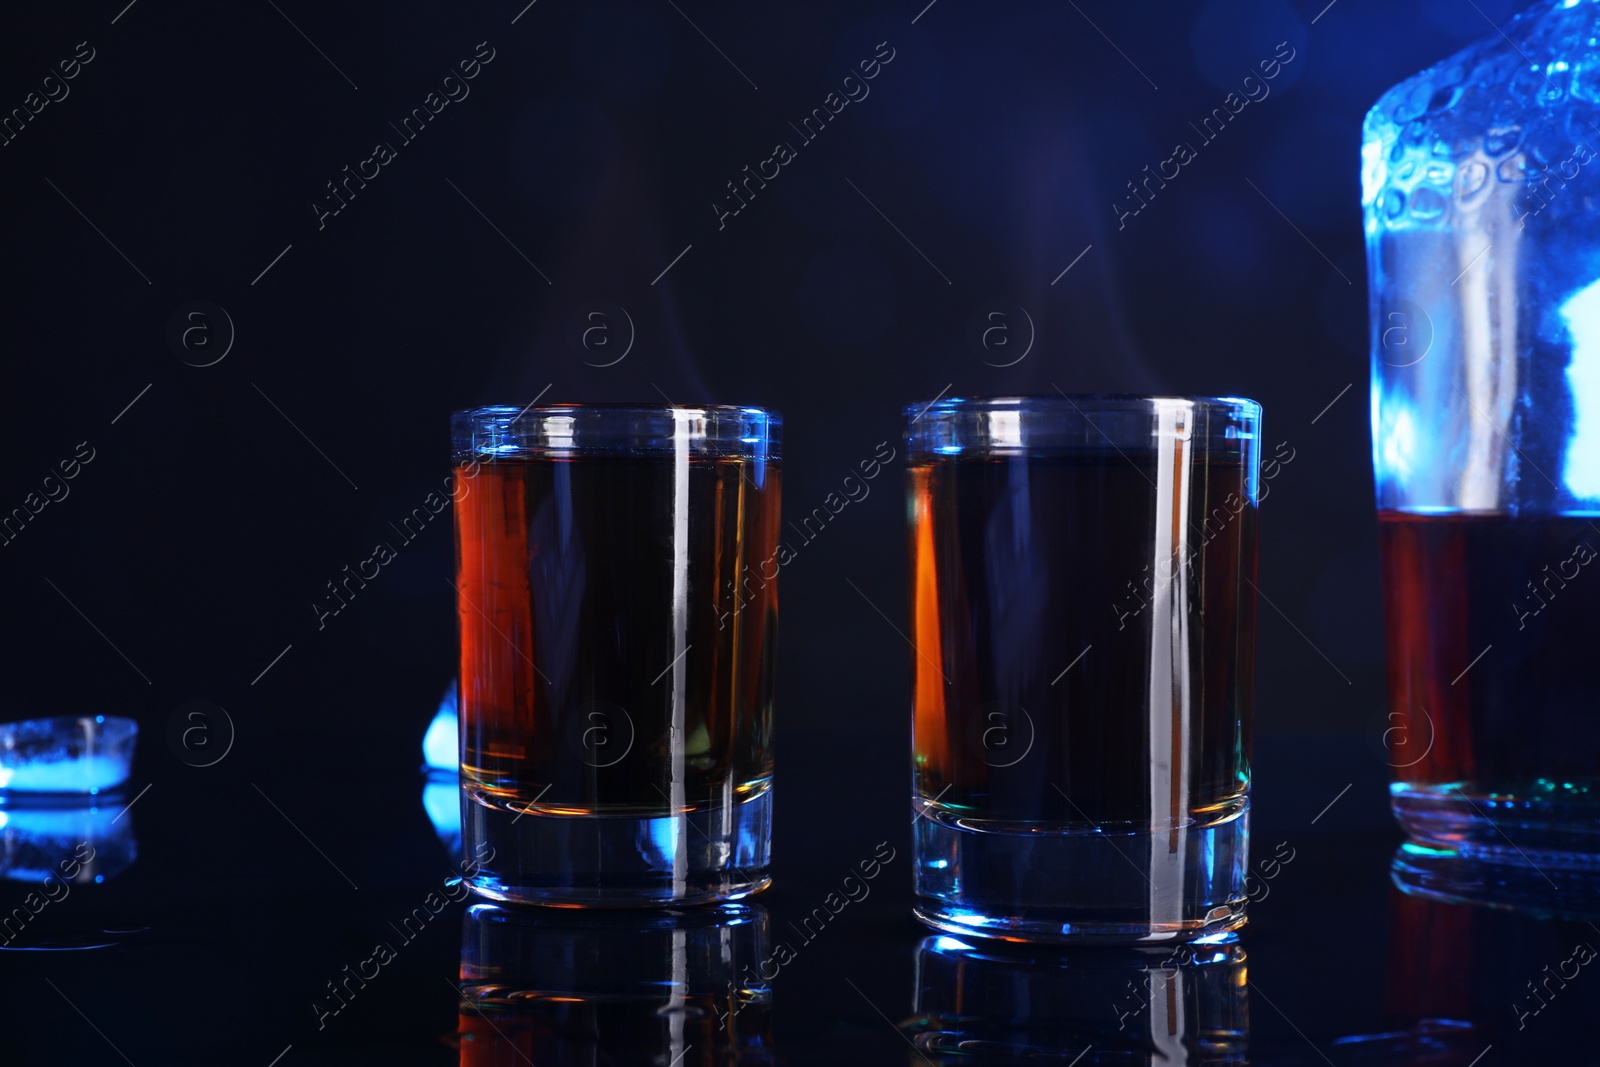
[(1479, 178), (1467, 970), (1444, 876), (568, 987), (1035, 1004)]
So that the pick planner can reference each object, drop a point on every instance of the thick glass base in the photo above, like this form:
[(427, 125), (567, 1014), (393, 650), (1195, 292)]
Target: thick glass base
[(1081, 885), (1540, 824), (620, 861)]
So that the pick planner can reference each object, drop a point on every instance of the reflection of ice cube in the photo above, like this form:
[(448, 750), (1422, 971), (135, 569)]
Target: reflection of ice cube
[(58, 842), (441, 744), (66, 755), (441, 799)]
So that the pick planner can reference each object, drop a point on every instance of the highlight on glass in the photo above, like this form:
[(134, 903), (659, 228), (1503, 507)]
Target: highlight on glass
[(1083, 628), (617, 606)]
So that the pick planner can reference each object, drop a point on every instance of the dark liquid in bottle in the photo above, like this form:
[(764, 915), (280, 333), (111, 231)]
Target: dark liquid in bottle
[(1056, 634), (617, 618), (1494, 656)]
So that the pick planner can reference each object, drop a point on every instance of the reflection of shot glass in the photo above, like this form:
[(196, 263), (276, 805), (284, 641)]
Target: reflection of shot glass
[(668, 986), (1149, 1005), (1083, 624), (617, 601)]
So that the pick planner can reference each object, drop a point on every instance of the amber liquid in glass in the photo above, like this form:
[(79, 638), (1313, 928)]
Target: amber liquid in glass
[(617, 618), (1022, 567)]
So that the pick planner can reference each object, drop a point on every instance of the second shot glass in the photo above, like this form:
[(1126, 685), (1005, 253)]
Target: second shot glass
[(1083, 627)]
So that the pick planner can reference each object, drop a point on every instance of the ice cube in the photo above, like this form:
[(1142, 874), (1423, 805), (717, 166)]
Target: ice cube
[(85, 754)]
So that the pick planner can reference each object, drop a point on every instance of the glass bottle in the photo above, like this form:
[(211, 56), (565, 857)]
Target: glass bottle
[(1479, 186)]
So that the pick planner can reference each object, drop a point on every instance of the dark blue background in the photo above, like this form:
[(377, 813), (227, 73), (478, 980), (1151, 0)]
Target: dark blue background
[(991, 154)]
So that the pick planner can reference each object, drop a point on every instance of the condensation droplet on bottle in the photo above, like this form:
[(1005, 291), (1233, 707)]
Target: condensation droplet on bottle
[(1426, 203), (1394, 203), (1583, 126), (1512, 169), (1586, 82), (1498, 142), (1414, 103), (1554, 91), (1472, 178), (1527, 83)]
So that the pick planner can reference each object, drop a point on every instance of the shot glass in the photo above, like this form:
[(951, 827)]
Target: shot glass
[(1083, 642), (617, 604)]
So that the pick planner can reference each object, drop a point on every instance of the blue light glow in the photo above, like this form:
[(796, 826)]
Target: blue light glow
[(1581, 472), (664, 837), (1397, 436), (1223, 938), (1373, 173), (441, 793), (441, 745)]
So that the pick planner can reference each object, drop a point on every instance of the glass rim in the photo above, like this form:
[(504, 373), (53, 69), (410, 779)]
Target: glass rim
[(771, 415), (994, 426), (574, 429), (1081, 403)]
